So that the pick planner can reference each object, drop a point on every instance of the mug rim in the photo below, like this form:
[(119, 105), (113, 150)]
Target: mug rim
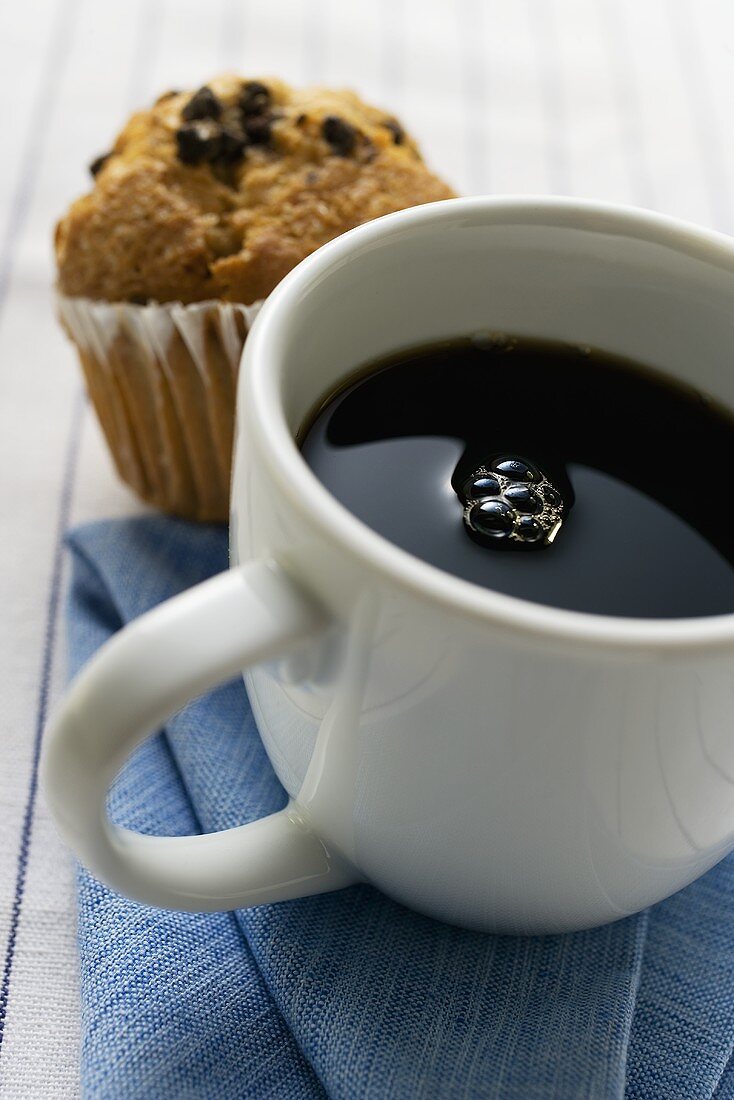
[(259, 392)]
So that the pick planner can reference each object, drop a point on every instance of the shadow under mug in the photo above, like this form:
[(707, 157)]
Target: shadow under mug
[(485, 760)]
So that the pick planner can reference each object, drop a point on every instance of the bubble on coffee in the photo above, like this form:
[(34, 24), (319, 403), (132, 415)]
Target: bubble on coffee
[(510, 503)]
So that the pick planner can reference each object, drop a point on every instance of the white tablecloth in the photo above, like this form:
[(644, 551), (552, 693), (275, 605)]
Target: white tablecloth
[(628, 100)]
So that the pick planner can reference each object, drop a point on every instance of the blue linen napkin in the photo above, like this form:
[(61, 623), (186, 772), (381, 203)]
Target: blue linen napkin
[(349, 994)]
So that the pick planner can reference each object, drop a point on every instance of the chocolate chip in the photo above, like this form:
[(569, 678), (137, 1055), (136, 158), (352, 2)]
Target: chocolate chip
[(397, 131), (254, 98), (301, 120), (258, 128), (98, 163), (203, 104), (232, 146), (341, 136), (198, 141)]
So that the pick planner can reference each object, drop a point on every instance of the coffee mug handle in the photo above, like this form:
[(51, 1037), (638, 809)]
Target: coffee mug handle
[(145, 673)]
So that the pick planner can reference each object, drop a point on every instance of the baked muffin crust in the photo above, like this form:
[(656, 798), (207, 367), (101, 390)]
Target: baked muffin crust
[(217, 194)]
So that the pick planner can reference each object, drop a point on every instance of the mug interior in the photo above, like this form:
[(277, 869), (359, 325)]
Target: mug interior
[(624, 281)]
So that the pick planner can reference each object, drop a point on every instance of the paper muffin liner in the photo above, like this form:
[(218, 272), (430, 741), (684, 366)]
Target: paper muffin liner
[(163, 382)]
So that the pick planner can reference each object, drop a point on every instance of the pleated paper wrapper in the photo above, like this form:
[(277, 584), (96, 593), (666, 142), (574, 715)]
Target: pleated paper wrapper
[(163, 382)]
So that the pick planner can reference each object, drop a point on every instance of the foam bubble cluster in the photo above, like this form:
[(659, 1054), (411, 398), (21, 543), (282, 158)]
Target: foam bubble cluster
[(511, 502)]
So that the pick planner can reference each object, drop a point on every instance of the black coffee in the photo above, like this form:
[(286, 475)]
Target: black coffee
[(557, 474)]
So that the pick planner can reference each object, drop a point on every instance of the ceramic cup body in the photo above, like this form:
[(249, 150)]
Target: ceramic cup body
[(484, 760)]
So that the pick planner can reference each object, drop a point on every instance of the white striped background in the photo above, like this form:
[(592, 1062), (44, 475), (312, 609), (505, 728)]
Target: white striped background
[(628, 100)]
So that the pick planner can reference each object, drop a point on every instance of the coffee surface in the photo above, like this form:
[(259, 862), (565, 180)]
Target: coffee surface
[(642, 466)]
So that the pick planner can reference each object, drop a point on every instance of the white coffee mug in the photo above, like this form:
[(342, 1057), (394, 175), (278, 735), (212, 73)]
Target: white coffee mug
[(488, 761)]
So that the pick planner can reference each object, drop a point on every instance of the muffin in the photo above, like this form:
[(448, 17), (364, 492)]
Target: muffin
[(200, 208)]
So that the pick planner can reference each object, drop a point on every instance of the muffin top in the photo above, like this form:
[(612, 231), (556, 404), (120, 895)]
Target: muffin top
[(219, 193)]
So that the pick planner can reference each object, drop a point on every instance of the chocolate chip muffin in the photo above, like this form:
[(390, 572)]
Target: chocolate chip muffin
[(202, 205)]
